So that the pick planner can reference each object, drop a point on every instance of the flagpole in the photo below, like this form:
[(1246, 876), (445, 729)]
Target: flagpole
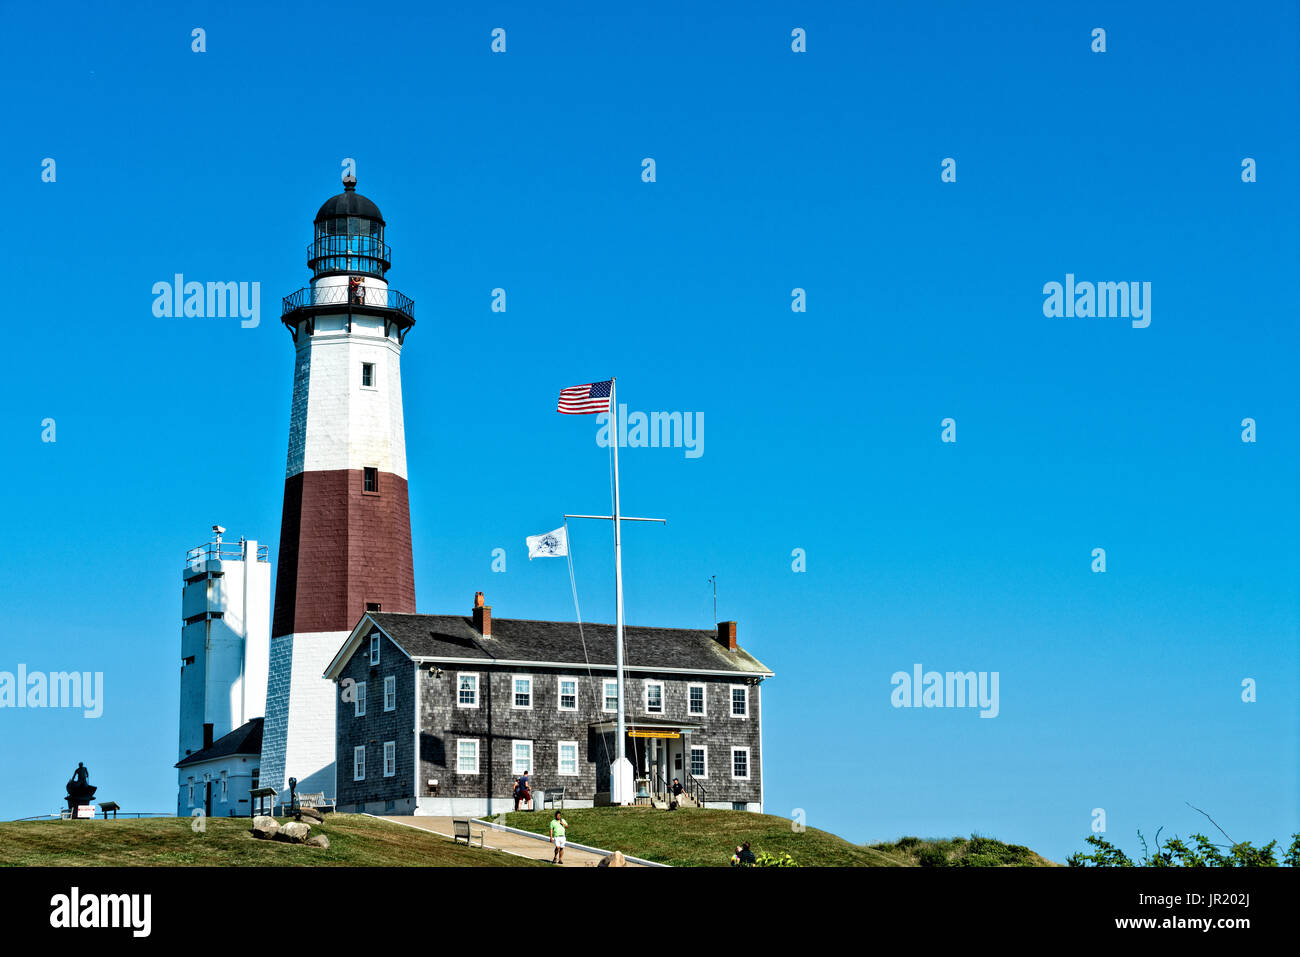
[(616, 785)]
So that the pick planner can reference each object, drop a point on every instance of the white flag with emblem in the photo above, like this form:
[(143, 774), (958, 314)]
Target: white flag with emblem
[(551, 545)]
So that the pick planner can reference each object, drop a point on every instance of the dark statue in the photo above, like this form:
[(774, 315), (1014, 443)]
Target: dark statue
[(293, 794), (80, 790)]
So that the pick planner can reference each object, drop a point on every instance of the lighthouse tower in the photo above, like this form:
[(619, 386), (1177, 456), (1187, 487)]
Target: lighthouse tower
[(345, 533)]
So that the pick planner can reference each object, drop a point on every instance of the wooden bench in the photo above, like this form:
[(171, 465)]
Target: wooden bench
[(315, 800), (550, 795), (460, 828)]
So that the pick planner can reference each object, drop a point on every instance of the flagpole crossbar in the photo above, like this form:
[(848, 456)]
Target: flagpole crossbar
[(621, 518)]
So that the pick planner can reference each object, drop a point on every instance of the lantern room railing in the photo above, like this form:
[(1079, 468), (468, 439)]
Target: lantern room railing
[(346, 295), (343, 253)]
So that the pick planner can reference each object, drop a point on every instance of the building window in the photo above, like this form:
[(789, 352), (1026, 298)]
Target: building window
[(359, 702), (374, 649), (568, 758), (225, 793), (739, 701), (699, 761), (695, 697), (374, 606), (253, 786), (611, 694), (368, 375), (467, 756), (568, 694), (390, 693), (654, 697), (467, 691), (191, 797), (370, 479), (359, 763), (739, 806), (740, 763), (523, 697), (521, 753), (390, 758)]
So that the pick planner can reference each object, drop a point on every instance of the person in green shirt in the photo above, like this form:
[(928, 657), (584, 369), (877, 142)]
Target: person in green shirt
[(558, 830)]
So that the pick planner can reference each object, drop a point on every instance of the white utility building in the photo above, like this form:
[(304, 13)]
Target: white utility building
[(225, 649)]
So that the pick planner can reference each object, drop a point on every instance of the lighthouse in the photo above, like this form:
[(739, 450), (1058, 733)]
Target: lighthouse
[(345, 533)]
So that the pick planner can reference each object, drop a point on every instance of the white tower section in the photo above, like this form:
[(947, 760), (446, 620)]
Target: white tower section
[(225, 640)]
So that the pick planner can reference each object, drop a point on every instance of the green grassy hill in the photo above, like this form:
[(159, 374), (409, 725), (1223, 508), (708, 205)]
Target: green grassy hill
[(701, 838), (355, 840)]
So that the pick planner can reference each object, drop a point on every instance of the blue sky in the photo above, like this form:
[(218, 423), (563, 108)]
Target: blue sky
[(775, 170)]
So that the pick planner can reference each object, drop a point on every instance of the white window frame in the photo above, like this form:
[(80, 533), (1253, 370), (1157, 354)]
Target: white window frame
[(645, 695), (191, 791), (559, 693), (460, 756), (359, 700), (731, 701), (604, 695), (467, 674), (514, 758), (513, 692), (359, 763), (225, 789), (390, 759), (748, 766), (559, 759), (390, 693), (691, 764), (704, 699), (374, 376), (374, 647)]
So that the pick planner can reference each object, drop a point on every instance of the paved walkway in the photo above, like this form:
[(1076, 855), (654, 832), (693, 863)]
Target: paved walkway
[(539, 850)]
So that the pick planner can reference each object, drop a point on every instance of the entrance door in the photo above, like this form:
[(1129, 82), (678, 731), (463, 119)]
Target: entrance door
[(207, 799)]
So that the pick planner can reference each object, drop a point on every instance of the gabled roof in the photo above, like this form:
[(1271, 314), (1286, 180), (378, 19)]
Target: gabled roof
[(551, 643), (246, 739)]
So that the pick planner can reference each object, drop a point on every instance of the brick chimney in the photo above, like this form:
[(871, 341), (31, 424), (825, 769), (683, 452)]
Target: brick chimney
[(727, 635), (482, 616)]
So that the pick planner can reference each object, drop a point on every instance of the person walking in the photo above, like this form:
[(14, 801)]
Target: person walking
[(522, 792), (559, 828)]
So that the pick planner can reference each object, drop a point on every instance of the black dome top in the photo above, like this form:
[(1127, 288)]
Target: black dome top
[(348, 203)]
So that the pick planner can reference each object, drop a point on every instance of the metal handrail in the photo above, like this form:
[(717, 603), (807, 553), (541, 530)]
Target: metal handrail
[(225, 552), (342, 295)]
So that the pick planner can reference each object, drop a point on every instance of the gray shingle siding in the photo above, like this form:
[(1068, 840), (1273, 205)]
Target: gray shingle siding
[(432, 642), (374, 728)]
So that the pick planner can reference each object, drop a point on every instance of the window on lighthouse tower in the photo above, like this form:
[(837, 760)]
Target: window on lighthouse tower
[(370, 479)]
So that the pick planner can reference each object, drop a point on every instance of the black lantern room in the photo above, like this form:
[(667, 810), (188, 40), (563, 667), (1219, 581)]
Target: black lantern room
[(348, 241), (349, 236)]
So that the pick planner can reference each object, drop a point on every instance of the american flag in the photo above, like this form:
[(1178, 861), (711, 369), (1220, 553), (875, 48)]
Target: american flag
[(585, 399)]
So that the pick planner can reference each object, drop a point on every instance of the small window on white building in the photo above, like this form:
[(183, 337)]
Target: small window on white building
[(740, 763), (359, 702), (739, 701), (695, 698), (225, 792), (523, 696), (467, 756), (699, 761), (359, 763), (654, 697), (374, 648), (467, 691), (368, 375), (191, 797), (568, 694), (522, 757), (390, 758), (568, 758), (611, 694), (390, 693)]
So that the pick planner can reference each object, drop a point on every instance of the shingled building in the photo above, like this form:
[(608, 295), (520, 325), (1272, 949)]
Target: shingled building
[(480, 701)]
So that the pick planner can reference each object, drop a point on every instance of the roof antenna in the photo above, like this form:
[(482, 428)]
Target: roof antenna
[(714, 580)]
